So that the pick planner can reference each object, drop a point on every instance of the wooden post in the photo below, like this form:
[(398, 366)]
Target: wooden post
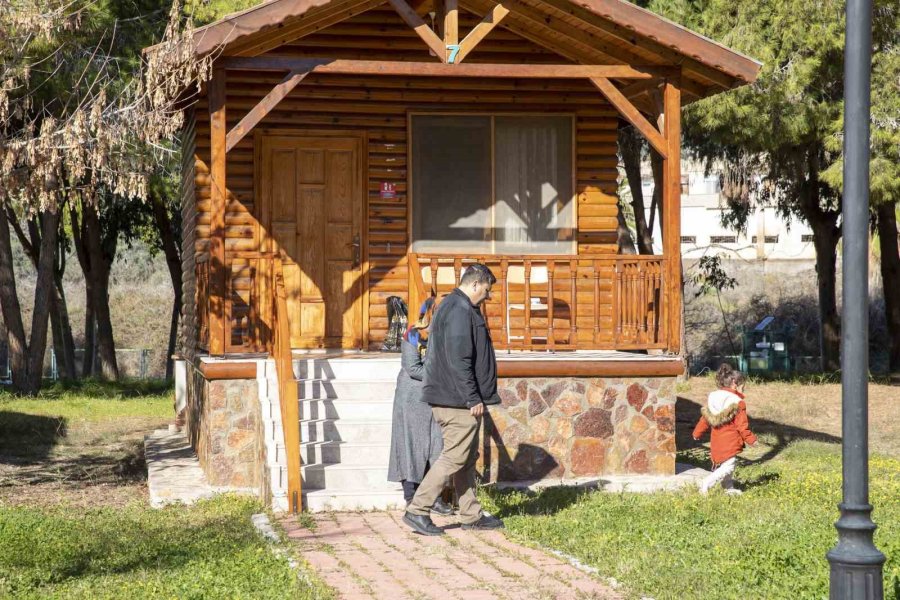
[(450, 26), (217, 131), (672, 210)]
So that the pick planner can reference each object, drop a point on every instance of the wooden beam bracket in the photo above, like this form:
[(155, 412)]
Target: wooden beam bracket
[(265, 106), (481, 31), (418, 25), (631, 114)]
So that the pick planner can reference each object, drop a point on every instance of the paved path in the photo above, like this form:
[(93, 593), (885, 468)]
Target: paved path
[(375, 556)]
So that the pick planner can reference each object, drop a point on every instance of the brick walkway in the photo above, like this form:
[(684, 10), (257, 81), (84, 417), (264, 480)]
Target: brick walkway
[(375, 556)]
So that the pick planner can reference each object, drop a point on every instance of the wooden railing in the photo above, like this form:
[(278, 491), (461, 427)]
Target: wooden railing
[(559, 302), (287, 387), (247, 303)]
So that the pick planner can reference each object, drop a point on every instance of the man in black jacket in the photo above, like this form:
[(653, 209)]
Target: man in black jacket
[(460, 379)]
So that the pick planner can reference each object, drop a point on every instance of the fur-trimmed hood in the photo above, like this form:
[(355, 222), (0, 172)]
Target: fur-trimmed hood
[(721, 407)]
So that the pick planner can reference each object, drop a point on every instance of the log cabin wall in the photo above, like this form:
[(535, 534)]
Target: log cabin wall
[(378, 107), (190, 333)]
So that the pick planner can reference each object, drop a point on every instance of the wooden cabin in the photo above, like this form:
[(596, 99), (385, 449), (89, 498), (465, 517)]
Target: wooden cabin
[(348, 151)]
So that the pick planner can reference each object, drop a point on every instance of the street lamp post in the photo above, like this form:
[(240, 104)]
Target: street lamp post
[(856, 564)]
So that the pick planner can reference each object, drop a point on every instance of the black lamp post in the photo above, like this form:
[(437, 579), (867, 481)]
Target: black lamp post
[(855, 562)]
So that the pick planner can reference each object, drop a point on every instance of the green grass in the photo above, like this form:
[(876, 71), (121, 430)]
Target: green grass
[(75, 521), (210, 550), (95, 400), (769, 543)]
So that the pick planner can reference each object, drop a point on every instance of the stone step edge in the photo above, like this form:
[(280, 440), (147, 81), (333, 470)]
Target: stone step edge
[(350, 494), (345, 467)]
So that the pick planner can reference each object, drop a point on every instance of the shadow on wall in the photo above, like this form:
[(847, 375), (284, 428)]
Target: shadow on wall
[(530, 462), (687, 413)]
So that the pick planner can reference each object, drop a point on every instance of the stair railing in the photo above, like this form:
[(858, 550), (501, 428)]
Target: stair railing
[(288, 396)]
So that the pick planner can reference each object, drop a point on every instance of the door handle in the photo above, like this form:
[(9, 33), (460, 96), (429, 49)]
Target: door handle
[(356, 251)]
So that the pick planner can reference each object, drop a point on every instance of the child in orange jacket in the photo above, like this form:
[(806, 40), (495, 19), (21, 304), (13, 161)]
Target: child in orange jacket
[(726, 414)]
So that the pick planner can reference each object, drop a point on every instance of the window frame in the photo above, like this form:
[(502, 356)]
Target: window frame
[(410, 201)]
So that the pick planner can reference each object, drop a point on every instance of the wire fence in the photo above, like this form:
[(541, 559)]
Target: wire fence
[(134, 363)]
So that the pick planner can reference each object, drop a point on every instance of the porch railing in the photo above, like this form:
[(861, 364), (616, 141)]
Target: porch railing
[(287, 387), (248, 299), (560, 302), (257, 319)]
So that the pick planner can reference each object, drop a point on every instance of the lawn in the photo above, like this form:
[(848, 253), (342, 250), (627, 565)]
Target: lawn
[(769, 543), (74, 514)]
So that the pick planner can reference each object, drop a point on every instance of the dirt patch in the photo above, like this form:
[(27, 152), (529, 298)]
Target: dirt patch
[(784, 412), (79, 463)]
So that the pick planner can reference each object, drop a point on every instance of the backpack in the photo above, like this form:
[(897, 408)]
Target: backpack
[(397, 319)]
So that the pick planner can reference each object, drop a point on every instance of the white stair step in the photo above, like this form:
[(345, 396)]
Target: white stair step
[(346, 409), (356, 389), (345, 453), (327, 500), (347, 478), (345, 430), (365, 368)]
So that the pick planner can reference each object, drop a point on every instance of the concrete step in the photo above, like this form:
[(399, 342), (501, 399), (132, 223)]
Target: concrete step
[(355, 389), (378, 368), (347, 478), (345, 453), (346, 409), (327, 500), (344, 430)]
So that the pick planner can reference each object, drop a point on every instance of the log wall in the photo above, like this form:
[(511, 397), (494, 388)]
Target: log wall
[(378, 107)]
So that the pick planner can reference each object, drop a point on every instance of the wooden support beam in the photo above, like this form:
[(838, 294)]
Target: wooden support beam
[(218, 325), (425, 32), (450, 19), (639, 87), (481, 31), (265, 106), (426, 69), (672, 212), (632, 114)]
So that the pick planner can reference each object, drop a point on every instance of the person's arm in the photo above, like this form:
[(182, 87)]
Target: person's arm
[(459, 348), (701, 428), (411, 362), (742, 422)]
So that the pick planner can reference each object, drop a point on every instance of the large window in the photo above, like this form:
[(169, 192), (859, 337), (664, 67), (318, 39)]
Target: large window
[(492, 184)]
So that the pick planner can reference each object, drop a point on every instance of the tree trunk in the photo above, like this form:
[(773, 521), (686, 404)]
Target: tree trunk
[(656, 204), (630, 147), (173, 261), (68, 370), (87, 365), (56, 334), (825, 239), (100, 264), (43, 298), (12, 312), (890, 277), (626, 242)]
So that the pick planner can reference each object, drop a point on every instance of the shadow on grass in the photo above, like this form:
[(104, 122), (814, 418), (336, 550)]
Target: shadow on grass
[(687, 413), (26, 438), (545, 502)]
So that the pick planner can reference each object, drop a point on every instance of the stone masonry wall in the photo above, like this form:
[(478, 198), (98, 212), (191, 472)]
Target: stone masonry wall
[(568, 427), (223, 425)]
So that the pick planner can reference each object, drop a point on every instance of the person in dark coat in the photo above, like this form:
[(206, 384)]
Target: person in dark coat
[(460, 379), (415, 437)]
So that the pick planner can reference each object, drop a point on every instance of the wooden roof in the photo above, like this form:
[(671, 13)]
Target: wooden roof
[(601, 32)]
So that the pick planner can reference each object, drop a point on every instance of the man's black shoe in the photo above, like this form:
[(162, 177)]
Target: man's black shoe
[(422, 524), (442, 508), (485, 522)]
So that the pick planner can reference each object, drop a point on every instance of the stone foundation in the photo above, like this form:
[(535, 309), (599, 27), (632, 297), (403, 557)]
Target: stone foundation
[(568, 427), (223, 424)]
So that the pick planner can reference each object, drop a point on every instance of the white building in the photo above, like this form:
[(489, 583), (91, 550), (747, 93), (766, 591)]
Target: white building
[(768, 235)]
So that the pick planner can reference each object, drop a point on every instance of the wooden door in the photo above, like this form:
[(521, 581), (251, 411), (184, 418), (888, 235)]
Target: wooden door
[(311, 210)]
